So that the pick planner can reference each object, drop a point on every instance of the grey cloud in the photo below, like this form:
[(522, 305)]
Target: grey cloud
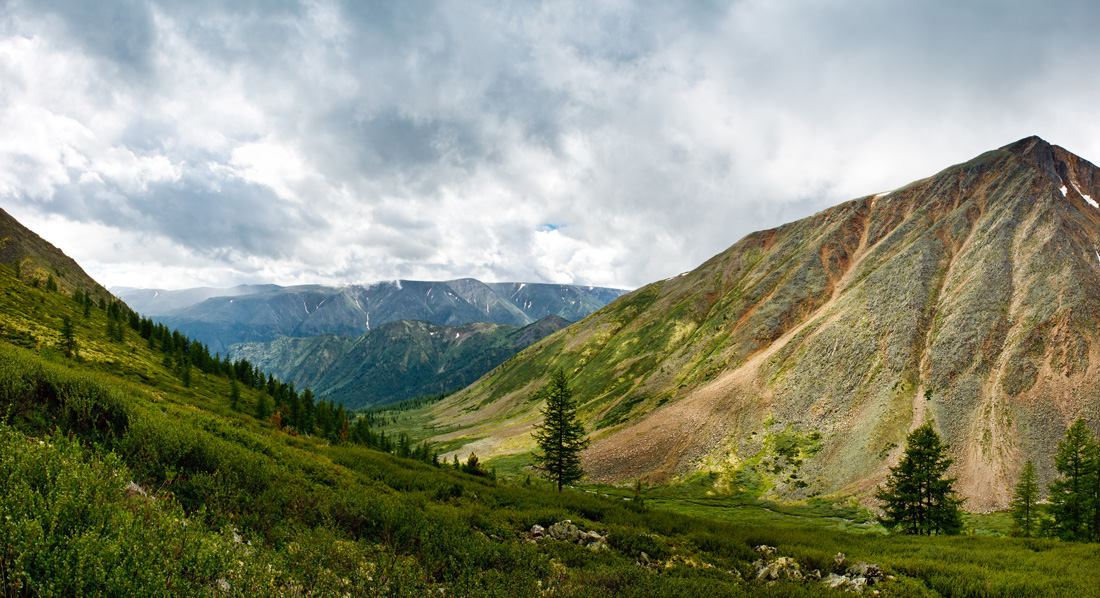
[(121, 32), (656, 134)]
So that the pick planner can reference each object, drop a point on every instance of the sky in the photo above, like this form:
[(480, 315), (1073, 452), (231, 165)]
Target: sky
[(200, 143)]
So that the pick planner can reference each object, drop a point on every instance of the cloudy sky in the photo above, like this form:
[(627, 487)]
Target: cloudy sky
[(175, 144)]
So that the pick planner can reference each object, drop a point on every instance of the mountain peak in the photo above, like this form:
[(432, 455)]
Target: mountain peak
[(1062, 167)]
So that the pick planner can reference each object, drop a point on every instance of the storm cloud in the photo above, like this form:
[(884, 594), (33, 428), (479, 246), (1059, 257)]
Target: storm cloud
[(183, 143)]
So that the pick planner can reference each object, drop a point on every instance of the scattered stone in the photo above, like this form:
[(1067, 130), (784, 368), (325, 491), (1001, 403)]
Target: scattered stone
[(135, 491), (835, 581), (222, 585), (862, 569), (779, 568), (765, 550), (598, 545), (771, 568), (565, 531)]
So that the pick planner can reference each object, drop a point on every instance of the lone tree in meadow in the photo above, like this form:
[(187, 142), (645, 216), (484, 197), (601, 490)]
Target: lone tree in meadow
[(560, 435), (1073, 495), (1024, 512), (917, 497)]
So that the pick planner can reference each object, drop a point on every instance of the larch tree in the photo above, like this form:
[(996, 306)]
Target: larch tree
[(918, 498), (1024, 498), (68, 337), (1072, 495), (560, 436)]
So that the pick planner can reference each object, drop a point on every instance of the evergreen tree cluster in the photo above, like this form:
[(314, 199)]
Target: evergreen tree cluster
[(1074, 496), (1072, 509)]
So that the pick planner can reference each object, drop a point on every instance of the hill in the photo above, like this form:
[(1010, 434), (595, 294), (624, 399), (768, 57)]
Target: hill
[(261, 314), (794, 363), (37, 261), (396, 361)]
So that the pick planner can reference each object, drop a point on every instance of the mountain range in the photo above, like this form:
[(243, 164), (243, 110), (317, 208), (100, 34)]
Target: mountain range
[(222, 318), (795, 363), (398, 360)]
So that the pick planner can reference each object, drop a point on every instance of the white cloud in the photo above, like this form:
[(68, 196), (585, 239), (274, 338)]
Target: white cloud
[(607, 143)]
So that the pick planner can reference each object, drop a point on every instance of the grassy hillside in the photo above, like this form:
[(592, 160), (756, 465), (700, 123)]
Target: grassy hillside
[(229, 505), (396, 361)]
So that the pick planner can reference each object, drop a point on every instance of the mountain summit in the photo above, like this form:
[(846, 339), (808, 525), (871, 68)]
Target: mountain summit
[(796, 362)]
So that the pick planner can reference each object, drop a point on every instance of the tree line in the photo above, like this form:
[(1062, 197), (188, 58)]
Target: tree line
[(1072, 509), (919, 498)]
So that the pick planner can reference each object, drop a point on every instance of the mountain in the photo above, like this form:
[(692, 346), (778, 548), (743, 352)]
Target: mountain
[(312, 310), (36, 260), (398, 360), (794, 363), (158, 302)]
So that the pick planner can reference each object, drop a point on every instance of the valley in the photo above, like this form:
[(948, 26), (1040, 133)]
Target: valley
[(740, 414)]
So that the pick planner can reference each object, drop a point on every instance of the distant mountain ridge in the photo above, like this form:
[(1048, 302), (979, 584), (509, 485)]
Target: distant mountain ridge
[(267, 312), (396, 361), (795, 363)]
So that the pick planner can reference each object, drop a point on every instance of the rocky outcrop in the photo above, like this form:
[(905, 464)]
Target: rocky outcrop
[(855, 578), (566, 531)]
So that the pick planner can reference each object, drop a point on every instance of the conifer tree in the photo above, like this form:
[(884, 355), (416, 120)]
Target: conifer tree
[(234, 395), (917, 497), (1024, 512), (185, 371), (560, 436), (263, 408), (68, 337), (1072, 496)]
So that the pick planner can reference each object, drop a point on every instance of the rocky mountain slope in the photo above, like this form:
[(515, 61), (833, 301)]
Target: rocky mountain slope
[(312, 310), (794, 363), (395, 361)]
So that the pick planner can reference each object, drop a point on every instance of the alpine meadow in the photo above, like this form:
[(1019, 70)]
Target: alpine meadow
[(891, 397), (566, 299)]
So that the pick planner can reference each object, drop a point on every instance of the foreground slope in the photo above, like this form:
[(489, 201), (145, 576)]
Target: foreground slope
[(798, 360), (396, 361)]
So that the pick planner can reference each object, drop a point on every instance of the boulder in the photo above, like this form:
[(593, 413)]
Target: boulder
[(782, 567), (835, 581), (565, 531), (862, 569)]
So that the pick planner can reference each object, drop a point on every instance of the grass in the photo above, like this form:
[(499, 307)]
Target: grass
[(319, 518)]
